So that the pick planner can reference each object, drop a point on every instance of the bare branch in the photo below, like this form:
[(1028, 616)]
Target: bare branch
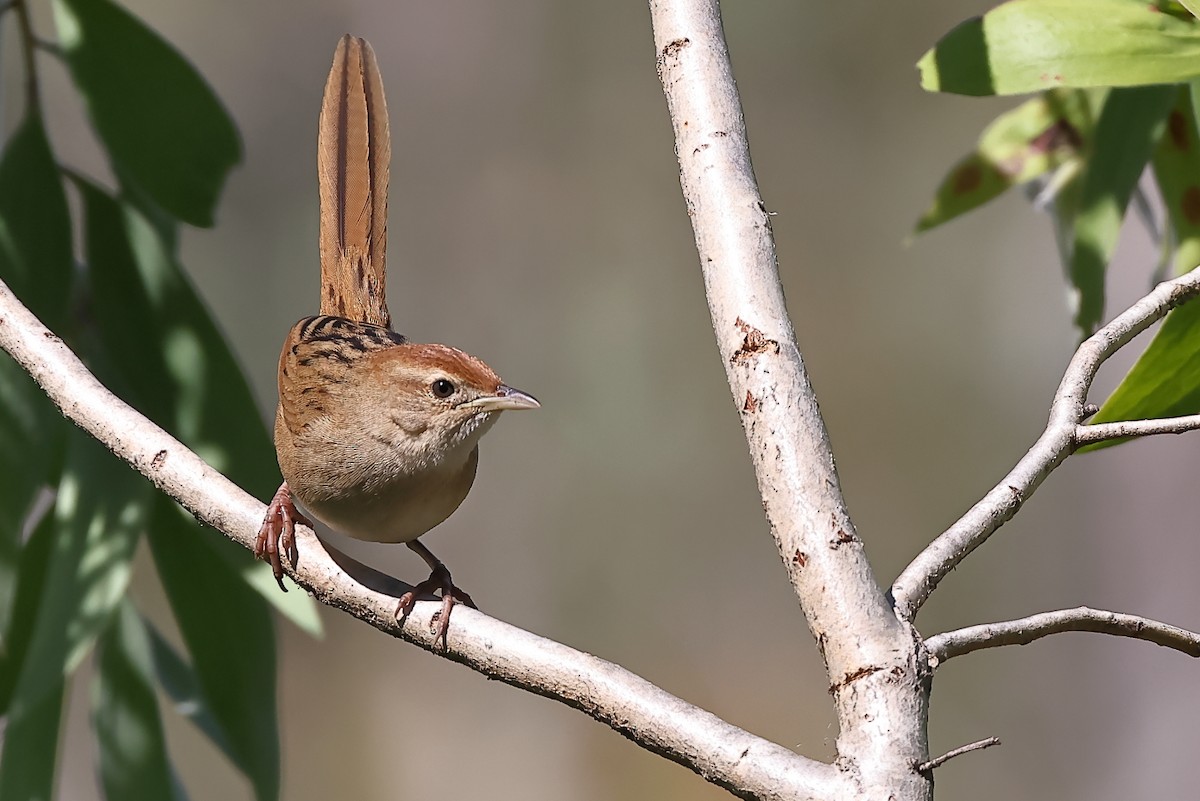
[(914, 585), (871, 657), (1027, 629), (1100, 432), (978, 745), (723, 754)]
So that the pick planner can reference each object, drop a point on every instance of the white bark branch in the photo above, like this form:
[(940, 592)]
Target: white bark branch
[(741, 762), (872, 658), (914, 585), (1101, 432), (1027, 629)]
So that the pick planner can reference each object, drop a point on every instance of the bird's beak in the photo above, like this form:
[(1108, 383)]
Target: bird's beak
[(505, 399)]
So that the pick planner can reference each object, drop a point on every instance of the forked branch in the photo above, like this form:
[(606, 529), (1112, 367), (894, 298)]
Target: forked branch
[(1063, 434)]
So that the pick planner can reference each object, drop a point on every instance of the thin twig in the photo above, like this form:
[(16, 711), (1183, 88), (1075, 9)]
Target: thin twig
[(1027, 629), (720, 752), (914, 585), (978, 745), (1099, 432)]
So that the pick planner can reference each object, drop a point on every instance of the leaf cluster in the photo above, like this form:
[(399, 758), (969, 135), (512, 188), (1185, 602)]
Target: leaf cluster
[(1115, 86), (108, 280)]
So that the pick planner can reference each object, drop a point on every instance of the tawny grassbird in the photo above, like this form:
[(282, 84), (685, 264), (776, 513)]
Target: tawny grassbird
[(377, 437)]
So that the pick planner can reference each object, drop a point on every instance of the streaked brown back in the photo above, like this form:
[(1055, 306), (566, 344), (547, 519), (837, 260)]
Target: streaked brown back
[(321, 354), (353, 153)]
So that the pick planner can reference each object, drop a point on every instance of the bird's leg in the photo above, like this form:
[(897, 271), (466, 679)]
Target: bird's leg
[(277, 535), (439, 579)]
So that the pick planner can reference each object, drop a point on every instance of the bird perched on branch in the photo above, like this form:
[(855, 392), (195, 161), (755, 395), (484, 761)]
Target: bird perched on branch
[(377, 437)]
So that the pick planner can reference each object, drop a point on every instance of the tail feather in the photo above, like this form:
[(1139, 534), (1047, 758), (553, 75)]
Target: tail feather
[(353, 154)]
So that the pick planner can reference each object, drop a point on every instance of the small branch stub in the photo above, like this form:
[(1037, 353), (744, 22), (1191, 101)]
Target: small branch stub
[(978, 745)]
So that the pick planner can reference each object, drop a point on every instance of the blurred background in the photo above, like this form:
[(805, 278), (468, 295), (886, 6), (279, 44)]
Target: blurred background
[(536, 220)]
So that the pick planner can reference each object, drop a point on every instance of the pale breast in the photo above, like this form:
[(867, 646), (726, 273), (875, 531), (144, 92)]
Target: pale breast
[(399, 511)]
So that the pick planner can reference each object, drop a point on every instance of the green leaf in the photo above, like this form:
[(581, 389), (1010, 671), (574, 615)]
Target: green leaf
[(1165, 381), (99, 514), (1038, 136), (1029, 45), (1176, 165), (129, 732), (164, 128), (178, 367), (121, 308), (36, 263), (179, 681), (31, 580), (35, 225), (31, 748), (228, 631), (1129, 125), (31, 437)]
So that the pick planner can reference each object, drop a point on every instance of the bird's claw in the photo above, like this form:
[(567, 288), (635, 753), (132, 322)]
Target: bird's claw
[(438, 581), (277, 535)]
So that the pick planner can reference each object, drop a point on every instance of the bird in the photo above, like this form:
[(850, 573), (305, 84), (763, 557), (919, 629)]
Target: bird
[(377, 437)]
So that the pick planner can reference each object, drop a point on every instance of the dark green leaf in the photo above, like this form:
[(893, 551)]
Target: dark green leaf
[(121, 307), (31, 580), (176, 365), (31, 748), (31, 437), (1038, 136), (1029, 45), (181, 685), (227, 629), (35, 261), (99, 514), (1127, 129), (133, 753), (35, 225), (164, 128)]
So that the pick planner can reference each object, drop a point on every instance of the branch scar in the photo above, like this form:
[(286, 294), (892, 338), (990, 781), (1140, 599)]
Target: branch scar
[(850, 678), (672, 49), (753, 343)]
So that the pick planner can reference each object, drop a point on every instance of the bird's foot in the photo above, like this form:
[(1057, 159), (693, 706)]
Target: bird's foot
[(439, 580), (278, 533)]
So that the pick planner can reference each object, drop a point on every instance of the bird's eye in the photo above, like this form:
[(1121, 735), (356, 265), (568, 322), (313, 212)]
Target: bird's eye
[(442, 388)]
